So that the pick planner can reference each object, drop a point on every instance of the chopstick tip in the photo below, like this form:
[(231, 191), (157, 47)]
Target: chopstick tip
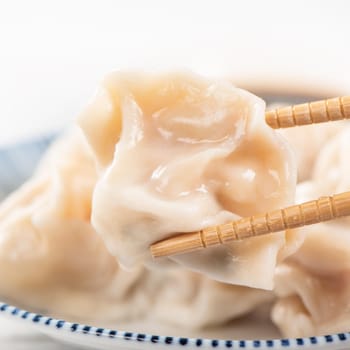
[(179, 244)]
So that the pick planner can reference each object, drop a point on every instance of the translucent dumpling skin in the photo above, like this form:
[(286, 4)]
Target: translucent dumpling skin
[(313, 286), (51, 259), (177, 153)]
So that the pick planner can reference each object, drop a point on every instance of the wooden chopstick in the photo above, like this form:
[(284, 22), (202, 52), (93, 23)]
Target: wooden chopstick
[(308, 213), (309, 113)]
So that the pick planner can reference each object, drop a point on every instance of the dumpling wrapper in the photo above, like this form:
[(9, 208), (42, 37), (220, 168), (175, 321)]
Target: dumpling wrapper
[(313, 287), (51, 259), (178, 153), (314, 284), (53, 262)]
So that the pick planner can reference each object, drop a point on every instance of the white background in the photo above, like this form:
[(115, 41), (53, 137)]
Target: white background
[(53, 53)]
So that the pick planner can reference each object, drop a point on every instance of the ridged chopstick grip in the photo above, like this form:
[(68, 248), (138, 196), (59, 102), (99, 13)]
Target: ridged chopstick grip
[(312, 212), (309, 113)]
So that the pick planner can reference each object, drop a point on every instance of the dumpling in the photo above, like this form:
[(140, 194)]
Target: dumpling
[(53, 262), (50, 256), (313, 287), (178, 153)]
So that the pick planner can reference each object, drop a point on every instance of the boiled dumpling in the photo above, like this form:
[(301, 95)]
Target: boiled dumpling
[(51, 259), (313, 287), (177, 153)]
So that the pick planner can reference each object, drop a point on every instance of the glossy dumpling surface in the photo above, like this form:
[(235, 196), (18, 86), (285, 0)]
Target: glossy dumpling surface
[(177, 153)]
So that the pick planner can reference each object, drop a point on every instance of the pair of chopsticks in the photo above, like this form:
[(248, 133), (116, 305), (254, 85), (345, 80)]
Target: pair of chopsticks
[(308, 213)]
